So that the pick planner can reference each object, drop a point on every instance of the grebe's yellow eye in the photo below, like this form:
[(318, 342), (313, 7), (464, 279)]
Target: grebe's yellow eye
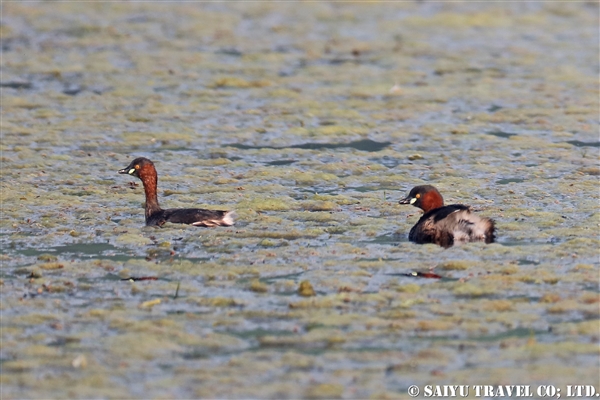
[(418, 195), (131, 171), (137, 166)]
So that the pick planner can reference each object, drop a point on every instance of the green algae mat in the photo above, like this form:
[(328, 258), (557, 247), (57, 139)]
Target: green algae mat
[(311, 120)]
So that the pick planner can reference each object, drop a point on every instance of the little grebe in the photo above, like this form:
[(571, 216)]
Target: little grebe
[(144, 169), (446, 225)]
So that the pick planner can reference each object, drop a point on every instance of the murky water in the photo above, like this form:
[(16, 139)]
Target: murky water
[(312, 121)]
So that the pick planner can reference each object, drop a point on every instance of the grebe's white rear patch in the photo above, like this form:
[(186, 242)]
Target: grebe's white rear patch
[(227, 220)]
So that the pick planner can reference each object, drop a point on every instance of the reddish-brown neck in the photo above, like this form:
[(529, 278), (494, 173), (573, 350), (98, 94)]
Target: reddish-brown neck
[(150, 180), (431, 200)]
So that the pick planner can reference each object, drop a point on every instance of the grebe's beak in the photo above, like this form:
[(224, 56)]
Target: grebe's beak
[(126, 171), (408, 200)]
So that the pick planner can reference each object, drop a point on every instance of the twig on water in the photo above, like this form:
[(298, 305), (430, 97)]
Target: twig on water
[(177, 290)]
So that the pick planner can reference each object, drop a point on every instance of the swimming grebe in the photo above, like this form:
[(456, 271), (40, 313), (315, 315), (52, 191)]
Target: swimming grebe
[(155, 216), (446, 225)]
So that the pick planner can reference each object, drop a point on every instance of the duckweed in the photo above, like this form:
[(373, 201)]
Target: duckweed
[(312, 139), (306, 289)]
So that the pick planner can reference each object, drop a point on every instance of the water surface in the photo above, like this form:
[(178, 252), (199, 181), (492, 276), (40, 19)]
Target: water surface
[(312, 121)]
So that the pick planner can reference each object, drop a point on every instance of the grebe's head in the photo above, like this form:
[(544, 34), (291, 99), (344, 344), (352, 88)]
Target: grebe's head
[(426, 197), (139, 167)]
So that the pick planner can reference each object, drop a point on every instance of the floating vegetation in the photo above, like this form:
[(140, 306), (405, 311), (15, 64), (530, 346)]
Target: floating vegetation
[(313, 139)]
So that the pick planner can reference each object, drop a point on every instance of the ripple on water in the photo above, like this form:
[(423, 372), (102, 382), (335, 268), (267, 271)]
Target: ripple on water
[(578, 143), (362, 145)]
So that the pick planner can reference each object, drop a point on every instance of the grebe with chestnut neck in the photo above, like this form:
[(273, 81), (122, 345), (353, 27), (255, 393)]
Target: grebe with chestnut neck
[(446, 225), (143, 169)]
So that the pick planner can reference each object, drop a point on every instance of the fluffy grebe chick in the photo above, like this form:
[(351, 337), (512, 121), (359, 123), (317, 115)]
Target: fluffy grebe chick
[(446, 225), (143, 169)]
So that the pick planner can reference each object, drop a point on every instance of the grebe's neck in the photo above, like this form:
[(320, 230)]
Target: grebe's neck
[(431, 200), (150, 181)]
